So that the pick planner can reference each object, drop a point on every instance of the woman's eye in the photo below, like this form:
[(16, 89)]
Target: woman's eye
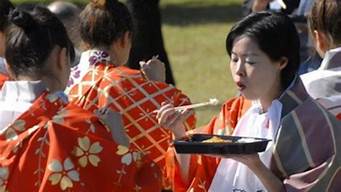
[(250, 62), (234, 59)]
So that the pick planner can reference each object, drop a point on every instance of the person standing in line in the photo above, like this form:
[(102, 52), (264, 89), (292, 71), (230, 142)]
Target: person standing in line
[(325, 29), (102, 80), (47, 143)]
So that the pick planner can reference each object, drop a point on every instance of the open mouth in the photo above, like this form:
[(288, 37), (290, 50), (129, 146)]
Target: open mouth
[(240, 86)]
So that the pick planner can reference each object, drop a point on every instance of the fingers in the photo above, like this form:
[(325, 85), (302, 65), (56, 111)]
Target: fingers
[(165, 113), (154, 59), (143, 64), (186, 113), (178, 117), (153, 69), (164, 106), (173, 119)]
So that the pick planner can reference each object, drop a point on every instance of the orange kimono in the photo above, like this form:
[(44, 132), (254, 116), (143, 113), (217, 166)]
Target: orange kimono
[(202, 168), (126, 90), (58, 147), (3, 78)]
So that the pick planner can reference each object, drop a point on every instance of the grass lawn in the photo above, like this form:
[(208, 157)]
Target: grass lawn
[(194, 32)]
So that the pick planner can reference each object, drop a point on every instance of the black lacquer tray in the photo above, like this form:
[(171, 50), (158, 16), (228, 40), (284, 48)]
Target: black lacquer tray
[(231, 145)]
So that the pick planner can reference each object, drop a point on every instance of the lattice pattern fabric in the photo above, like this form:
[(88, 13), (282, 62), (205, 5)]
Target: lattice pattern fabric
[(125, 90)]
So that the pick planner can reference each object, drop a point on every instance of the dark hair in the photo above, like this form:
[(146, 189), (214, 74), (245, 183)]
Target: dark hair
[(275, 35), (31, 38), (104, 21), (325, 16), (5, 7)]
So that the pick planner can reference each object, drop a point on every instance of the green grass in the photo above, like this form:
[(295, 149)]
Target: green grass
[(194, 32)]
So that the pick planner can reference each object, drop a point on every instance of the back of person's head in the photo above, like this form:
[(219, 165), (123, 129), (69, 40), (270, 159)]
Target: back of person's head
[(30, 39), (325, 16), (64, 10), (275, 35), (5, 7), (68, 14), (104, 21)]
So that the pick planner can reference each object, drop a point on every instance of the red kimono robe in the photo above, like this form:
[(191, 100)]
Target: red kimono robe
[(127, 91), (58, 147)]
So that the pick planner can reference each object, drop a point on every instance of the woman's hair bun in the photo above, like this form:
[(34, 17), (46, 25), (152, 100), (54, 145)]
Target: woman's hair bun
[(102, 4), (99, 3), (21, 19)]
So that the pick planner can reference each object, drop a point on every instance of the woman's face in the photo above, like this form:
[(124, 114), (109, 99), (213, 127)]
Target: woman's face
[(254, 73)]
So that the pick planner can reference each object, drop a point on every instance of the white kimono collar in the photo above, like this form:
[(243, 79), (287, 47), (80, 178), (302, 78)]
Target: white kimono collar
[(24, 91)]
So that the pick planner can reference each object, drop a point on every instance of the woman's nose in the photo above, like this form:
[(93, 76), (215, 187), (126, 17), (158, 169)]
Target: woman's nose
[(240, 70)]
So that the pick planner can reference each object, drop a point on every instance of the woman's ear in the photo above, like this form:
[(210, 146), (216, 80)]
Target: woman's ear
[(283, 62), (322, 42), (62, 59), (125, 40)]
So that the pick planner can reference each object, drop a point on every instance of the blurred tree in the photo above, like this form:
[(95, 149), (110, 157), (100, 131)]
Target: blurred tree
[(148, 40)]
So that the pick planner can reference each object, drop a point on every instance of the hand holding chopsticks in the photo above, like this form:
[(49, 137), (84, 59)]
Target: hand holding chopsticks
[(153, 69), (173, 118)]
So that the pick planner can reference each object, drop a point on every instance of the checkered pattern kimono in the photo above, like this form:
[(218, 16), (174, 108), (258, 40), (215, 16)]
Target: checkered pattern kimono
[(127, 91), (306, 154), (58, 147)]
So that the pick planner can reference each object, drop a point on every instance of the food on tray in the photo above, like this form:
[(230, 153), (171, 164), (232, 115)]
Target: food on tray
[(216, 139), (246, 140)]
